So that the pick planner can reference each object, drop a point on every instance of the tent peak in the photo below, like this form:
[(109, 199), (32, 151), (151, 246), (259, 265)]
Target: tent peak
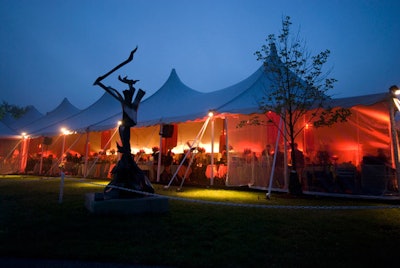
[(174, 78), (173, 75), (65, 100), (273, 51)]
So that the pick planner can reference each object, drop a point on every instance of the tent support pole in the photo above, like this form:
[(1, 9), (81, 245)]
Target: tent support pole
[(103, 149), (41, 160), (226, 149), (285, 159), (192, 146), (186, 172), (271, 177), (24, 154), (212, 152), (85, 169), (395, 141), (159, 154), (62, 149), (60, 160)]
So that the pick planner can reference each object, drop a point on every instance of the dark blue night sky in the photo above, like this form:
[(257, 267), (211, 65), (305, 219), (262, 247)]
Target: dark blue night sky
[(54, 49)]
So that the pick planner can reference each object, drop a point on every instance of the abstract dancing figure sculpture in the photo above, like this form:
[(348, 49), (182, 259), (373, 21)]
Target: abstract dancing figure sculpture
[(126, 173)]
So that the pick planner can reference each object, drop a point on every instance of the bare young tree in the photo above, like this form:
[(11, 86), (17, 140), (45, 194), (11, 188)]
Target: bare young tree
[(299, 86)]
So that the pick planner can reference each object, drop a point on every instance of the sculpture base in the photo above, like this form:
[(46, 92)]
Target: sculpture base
[(96, 204)]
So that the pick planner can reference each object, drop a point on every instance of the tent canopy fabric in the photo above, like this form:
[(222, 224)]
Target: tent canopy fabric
[(174, 102), (247, 101), (366, 100), (45, 124), (86, 120), (8, 133), (31, 115)]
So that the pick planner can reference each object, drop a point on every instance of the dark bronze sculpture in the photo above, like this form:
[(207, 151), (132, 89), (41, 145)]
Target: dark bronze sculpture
[(126, 173)]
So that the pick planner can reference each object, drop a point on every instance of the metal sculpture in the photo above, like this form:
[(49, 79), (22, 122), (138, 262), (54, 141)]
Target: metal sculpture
[(126, 175)]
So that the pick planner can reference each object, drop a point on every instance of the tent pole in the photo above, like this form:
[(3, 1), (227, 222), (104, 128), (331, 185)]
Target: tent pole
[(186, 172), (193, 145), (63, 148), (395, 141), (212, 152), (285, 159), (358, 140), (24, 153), (41, 160), (271, 177), (304, 134), (85, 168), (226, 149), (159, 154)]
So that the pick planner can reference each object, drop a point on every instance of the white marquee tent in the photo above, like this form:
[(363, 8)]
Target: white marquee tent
[(368, 129), (43, 125)]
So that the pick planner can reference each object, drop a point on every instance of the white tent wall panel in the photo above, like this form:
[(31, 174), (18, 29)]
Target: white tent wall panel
[(246, 165), (10, 157), (187, 133), (144, 138)]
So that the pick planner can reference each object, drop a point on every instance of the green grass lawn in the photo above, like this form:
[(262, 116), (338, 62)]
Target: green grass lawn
[(34, 225)]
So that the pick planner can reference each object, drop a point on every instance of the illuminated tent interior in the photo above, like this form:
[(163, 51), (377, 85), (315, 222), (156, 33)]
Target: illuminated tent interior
[(237, 151), (366, 131)]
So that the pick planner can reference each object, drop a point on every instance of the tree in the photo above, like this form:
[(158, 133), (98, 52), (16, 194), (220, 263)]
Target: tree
[(299, 86), (14, 110)]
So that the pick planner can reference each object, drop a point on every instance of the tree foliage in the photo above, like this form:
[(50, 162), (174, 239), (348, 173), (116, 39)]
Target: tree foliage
[(299, 84), (13, 110)]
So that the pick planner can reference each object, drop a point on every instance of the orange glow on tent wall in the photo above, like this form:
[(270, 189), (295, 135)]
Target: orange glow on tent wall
[(105, 138), (222, 142), (272, 127)]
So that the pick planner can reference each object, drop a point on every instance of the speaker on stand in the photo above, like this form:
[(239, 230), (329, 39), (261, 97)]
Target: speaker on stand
[(167, 131)]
